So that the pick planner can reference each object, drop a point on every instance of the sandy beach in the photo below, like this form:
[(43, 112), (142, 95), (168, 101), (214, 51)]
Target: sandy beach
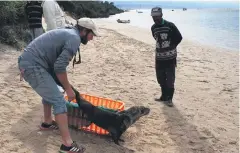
[(120, 65)]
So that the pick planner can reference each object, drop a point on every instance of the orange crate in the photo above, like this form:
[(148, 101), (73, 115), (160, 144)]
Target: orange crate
[(99, 101)]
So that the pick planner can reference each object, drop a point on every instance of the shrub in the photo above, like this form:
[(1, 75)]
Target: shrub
[(92, 9), (13, 25), (14, 29)]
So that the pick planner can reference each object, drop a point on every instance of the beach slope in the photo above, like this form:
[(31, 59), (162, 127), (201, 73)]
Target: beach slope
[(120, 65)]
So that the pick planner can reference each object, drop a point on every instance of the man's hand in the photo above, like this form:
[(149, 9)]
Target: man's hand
[(70, 93), (62, 77)]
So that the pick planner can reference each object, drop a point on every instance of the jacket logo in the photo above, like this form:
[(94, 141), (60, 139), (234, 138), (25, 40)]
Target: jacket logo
[(163, 36), (165, 44)]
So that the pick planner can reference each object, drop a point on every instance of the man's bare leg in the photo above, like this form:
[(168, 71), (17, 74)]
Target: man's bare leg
[(62, 122), (47, 108)]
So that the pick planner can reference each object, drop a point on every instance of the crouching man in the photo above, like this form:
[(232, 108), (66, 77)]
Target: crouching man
[(48, 54)]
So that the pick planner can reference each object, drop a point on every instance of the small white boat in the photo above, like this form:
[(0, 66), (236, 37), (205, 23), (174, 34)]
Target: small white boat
[(123, 21)]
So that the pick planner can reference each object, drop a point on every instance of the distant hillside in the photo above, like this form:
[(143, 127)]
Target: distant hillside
[(92, 9)]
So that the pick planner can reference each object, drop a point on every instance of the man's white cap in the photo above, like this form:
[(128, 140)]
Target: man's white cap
[(88, 23)]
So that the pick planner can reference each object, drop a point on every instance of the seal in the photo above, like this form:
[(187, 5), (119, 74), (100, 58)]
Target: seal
[(116, 122)]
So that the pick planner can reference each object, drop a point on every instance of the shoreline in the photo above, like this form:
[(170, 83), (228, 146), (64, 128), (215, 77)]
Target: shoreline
[(133, 33), (189, 33)]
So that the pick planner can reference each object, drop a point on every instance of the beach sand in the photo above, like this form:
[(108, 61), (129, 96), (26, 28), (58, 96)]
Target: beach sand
[(120, 65)]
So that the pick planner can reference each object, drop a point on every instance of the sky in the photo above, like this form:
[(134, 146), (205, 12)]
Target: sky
[(179, 0)]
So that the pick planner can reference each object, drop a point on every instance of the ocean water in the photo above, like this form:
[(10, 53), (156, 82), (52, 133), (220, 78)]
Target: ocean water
[(175, 4), (218, 27)]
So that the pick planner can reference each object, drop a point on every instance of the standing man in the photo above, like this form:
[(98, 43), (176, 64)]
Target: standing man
[(167, 38), (44, 62), (34, 13)]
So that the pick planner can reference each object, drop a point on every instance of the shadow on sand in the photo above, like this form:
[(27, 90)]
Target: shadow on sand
[(26, 130), (184, 134)]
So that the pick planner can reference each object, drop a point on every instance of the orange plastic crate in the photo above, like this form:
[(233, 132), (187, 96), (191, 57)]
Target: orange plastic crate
[(99, 101)]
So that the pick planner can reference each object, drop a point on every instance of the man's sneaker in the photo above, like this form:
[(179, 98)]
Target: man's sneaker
[(162, 99), (164, 95), (169, 103), (74, 148)]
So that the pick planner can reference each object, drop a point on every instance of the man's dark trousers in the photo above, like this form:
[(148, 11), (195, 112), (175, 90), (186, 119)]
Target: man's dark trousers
[(165, 72)]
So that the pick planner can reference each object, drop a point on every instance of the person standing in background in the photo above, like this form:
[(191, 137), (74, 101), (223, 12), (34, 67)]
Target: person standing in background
[(167, 38), (34, 13), (53, 15)]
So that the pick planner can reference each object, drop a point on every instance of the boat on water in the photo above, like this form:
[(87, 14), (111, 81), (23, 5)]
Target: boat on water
[(123, 21)]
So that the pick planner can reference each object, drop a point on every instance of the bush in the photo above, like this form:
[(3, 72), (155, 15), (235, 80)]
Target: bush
[(13, 25), (14, 29), (92, 9)]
